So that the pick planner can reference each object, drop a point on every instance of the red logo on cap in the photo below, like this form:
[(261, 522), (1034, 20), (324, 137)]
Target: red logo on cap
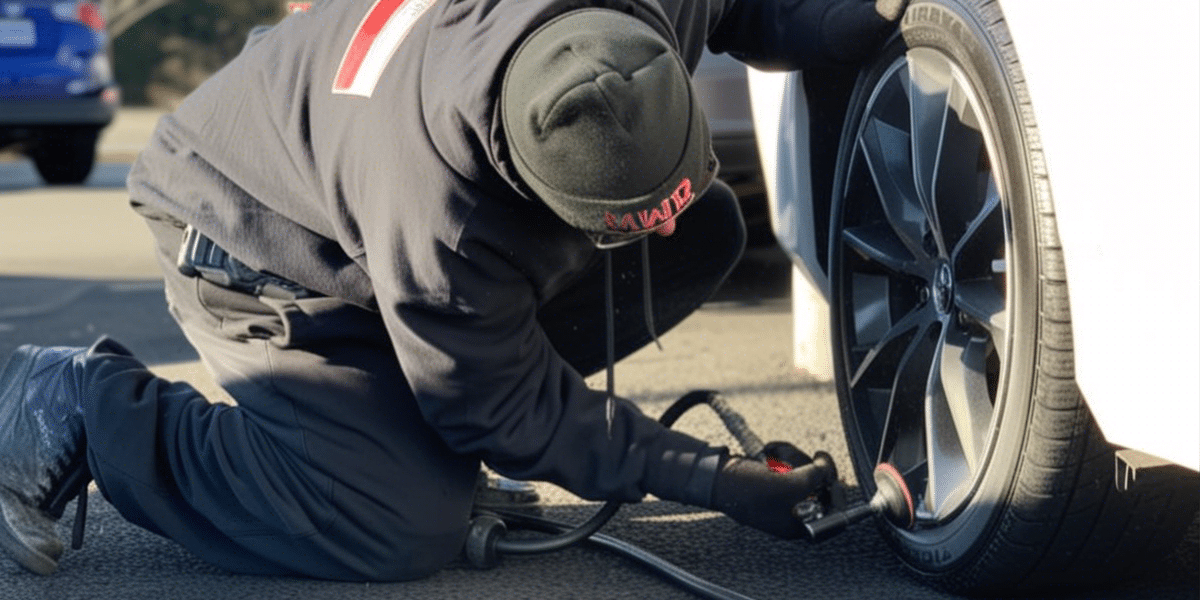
[(653, 217)]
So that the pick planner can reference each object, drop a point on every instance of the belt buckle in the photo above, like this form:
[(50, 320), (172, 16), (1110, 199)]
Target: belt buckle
[(200, 257)]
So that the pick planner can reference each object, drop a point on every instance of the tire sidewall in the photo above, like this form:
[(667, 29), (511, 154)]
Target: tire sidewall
[(956, 29)]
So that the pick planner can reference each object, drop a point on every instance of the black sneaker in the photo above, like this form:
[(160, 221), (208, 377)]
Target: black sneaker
[(497, 493), (42, 449)]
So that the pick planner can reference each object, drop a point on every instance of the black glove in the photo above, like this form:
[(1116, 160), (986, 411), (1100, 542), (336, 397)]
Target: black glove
[(783, 456), (753, 494), (852, 30)]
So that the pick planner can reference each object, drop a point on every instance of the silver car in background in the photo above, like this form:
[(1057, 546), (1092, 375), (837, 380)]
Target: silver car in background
[(721, 86)]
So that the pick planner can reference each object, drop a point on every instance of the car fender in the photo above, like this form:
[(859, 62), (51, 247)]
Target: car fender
[(783, 148), (1115, 92)]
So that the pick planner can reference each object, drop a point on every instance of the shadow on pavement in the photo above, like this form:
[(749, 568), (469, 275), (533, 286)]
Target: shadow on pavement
[(119, 560), (19, 174), (74, 312)]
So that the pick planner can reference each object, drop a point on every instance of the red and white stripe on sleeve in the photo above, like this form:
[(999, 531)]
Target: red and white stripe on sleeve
[(378, 36)]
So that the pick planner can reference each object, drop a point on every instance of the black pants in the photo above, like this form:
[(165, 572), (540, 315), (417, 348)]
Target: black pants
[(318, 470)]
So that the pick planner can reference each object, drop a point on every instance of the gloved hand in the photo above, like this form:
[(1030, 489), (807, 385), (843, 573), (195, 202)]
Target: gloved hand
[(852, 30), (753, 494), (783, 456)]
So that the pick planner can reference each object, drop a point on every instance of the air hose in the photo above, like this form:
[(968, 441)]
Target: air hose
[(486, 540), (661, 567), (562, 539)]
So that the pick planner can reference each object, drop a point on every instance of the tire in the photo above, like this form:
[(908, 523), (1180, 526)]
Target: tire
[(951, 327), (65, 155)]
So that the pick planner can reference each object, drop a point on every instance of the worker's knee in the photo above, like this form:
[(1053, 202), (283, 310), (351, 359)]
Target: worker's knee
[(406, 555), (378, 542)]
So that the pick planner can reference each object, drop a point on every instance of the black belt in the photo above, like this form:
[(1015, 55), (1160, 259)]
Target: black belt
[(201, 257)]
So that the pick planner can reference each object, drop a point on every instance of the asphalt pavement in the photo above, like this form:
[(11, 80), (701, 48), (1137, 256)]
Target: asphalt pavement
[(75, 263)]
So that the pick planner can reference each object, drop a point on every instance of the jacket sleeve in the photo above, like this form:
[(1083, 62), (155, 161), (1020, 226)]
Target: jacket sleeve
[(486, 377), (775, 35)]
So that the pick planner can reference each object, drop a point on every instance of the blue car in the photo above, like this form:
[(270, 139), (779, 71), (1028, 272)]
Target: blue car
[(57, 90)]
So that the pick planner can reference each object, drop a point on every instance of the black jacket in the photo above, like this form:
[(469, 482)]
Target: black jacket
[(380, 176)]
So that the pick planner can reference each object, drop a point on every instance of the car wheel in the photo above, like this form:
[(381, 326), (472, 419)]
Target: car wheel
[(951, 326), (65, 155)]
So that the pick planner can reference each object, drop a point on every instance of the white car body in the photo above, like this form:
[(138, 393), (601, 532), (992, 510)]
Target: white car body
[(1116, 96)]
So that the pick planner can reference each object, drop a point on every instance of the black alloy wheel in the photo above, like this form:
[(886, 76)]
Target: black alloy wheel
[(924, 246)]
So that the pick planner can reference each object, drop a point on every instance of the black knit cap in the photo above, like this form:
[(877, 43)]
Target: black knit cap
[(602, 123)]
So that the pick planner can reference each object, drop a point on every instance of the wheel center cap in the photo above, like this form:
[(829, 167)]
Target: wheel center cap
[(943, 288)]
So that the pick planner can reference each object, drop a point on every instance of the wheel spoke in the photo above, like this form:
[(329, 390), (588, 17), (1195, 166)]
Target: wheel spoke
[(963, 374), (948, 468), (920, 317), (991, 204), (963, 178), (886, 150), (930, 83), (903, 442), (878, 243), (980, 301)]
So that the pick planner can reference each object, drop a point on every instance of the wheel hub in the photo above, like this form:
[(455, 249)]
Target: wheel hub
[(943, 288)]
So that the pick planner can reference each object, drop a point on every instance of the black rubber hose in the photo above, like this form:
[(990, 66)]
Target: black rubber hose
[(568, 537), (684, 404), (660, 566), (564, 535)]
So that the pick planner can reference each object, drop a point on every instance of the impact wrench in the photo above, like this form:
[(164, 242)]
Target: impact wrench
[(823, 515), (892, 501)]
